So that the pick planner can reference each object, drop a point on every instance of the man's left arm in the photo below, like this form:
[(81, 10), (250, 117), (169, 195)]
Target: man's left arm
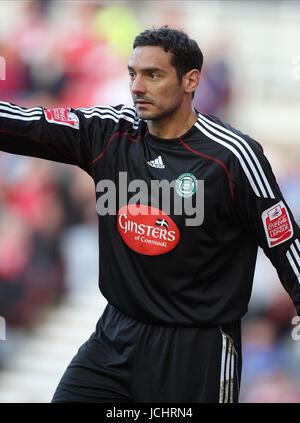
[(267, 217)]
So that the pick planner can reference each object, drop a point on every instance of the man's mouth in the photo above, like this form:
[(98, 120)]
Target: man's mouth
[(141, 102)]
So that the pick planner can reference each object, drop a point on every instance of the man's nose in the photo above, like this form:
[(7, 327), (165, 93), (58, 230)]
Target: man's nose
[(138, 85)]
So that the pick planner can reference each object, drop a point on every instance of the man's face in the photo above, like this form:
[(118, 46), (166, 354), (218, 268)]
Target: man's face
[(154, 85)]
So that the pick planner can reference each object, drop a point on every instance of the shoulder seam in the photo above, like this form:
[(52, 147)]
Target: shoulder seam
[(215, 160)]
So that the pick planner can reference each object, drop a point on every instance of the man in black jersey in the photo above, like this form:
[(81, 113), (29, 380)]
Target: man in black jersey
[(184, 202)]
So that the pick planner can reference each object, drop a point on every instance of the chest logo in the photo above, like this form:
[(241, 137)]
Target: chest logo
[(147, 230), (186, 185), (158, 163)]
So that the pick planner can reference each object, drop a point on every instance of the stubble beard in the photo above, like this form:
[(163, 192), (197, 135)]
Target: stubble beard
[(159, 115)]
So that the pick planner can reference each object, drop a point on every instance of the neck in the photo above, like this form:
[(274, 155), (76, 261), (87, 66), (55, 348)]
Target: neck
[(174, 125)]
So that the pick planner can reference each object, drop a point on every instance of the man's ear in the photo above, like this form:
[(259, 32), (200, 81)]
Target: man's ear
[(191, 80)]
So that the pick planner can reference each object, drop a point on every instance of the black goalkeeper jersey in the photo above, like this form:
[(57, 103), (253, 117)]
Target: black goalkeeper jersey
[(159, 265)]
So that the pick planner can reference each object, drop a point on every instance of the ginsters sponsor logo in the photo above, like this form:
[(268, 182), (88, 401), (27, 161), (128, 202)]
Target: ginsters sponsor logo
[(147, 230)]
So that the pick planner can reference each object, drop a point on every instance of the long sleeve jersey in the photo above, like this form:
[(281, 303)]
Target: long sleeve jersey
[(158, 263)]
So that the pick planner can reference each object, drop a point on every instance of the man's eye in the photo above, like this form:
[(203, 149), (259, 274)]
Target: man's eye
[(131, 75)]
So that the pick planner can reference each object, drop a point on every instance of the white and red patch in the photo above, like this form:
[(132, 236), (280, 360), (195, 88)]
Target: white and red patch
[(62, 116), (277, 224), (147, 230)]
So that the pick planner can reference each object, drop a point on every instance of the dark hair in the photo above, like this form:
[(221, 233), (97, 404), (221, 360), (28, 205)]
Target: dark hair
[(186, 54)]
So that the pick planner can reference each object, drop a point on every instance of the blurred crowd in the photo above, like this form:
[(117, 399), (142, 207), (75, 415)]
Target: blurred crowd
[(75, 57)]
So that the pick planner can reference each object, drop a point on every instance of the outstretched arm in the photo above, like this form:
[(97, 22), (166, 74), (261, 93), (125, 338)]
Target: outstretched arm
[(66, 135)]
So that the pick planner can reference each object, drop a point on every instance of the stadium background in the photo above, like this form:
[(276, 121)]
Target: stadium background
[(74, 53)]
